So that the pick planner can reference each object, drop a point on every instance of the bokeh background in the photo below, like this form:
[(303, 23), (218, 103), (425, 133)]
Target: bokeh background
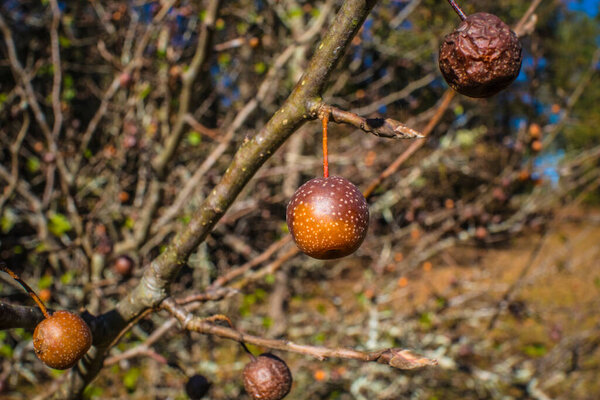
[(482, 249)]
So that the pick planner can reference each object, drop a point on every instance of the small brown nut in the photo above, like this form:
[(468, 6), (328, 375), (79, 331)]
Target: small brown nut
[(267, 377), (481, 57)]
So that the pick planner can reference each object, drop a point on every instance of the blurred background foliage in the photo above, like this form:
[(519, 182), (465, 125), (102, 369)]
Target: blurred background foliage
[(481, 248)]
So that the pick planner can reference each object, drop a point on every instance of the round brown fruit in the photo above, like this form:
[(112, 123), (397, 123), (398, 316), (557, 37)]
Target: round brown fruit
[(328, 217), (61, 340), (123, 266), (197, 387), (267, 377), (481, 57)]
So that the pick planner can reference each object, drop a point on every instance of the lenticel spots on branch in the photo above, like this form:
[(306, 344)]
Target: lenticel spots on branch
[(328, 217)]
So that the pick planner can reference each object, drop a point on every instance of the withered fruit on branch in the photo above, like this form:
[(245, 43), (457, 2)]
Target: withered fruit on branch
[(267, 377), (480, 57)]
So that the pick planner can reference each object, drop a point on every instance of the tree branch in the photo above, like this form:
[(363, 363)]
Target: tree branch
[(188, 78), (301, 105), (13, 316), (388, 128), (394, 357)]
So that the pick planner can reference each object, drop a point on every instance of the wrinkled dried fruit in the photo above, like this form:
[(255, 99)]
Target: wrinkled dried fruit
[(61, 340), (197, 387), (267, 378), (481, 57), (328, 217)]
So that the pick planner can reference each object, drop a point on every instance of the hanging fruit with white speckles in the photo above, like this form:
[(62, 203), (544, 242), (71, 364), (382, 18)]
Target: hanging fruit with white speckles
[(328, 217), (62, 338)]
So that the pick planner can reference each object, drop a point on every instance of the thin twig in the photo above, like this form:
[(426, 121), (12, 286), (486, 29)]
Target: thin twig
[(519, 27), (393, 97), (397, 163), (189, 77), (14, 165), (388, 128), (394, 357), (457, 9), (28, 289)]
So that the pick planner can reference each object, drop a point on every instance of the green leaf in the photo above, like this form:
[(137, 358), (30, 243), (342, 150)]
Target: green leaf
[(426, 320), (241, 28), (68, 94), (45, 281), (41, 247), (6, 351), (361, 298), (267, 322), (145, 91), (64, 42), (295, 12), (260, 294), (8, 220), (129, 223), (194, 138), (131, 377), (535, 350), (20, 332), (57, 372), (465, 138), (92, 392), (58, 224), (66, 278), (319, 338), (224, 59), (260, 67), (249, 299), (283, 227), (33, 164)]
